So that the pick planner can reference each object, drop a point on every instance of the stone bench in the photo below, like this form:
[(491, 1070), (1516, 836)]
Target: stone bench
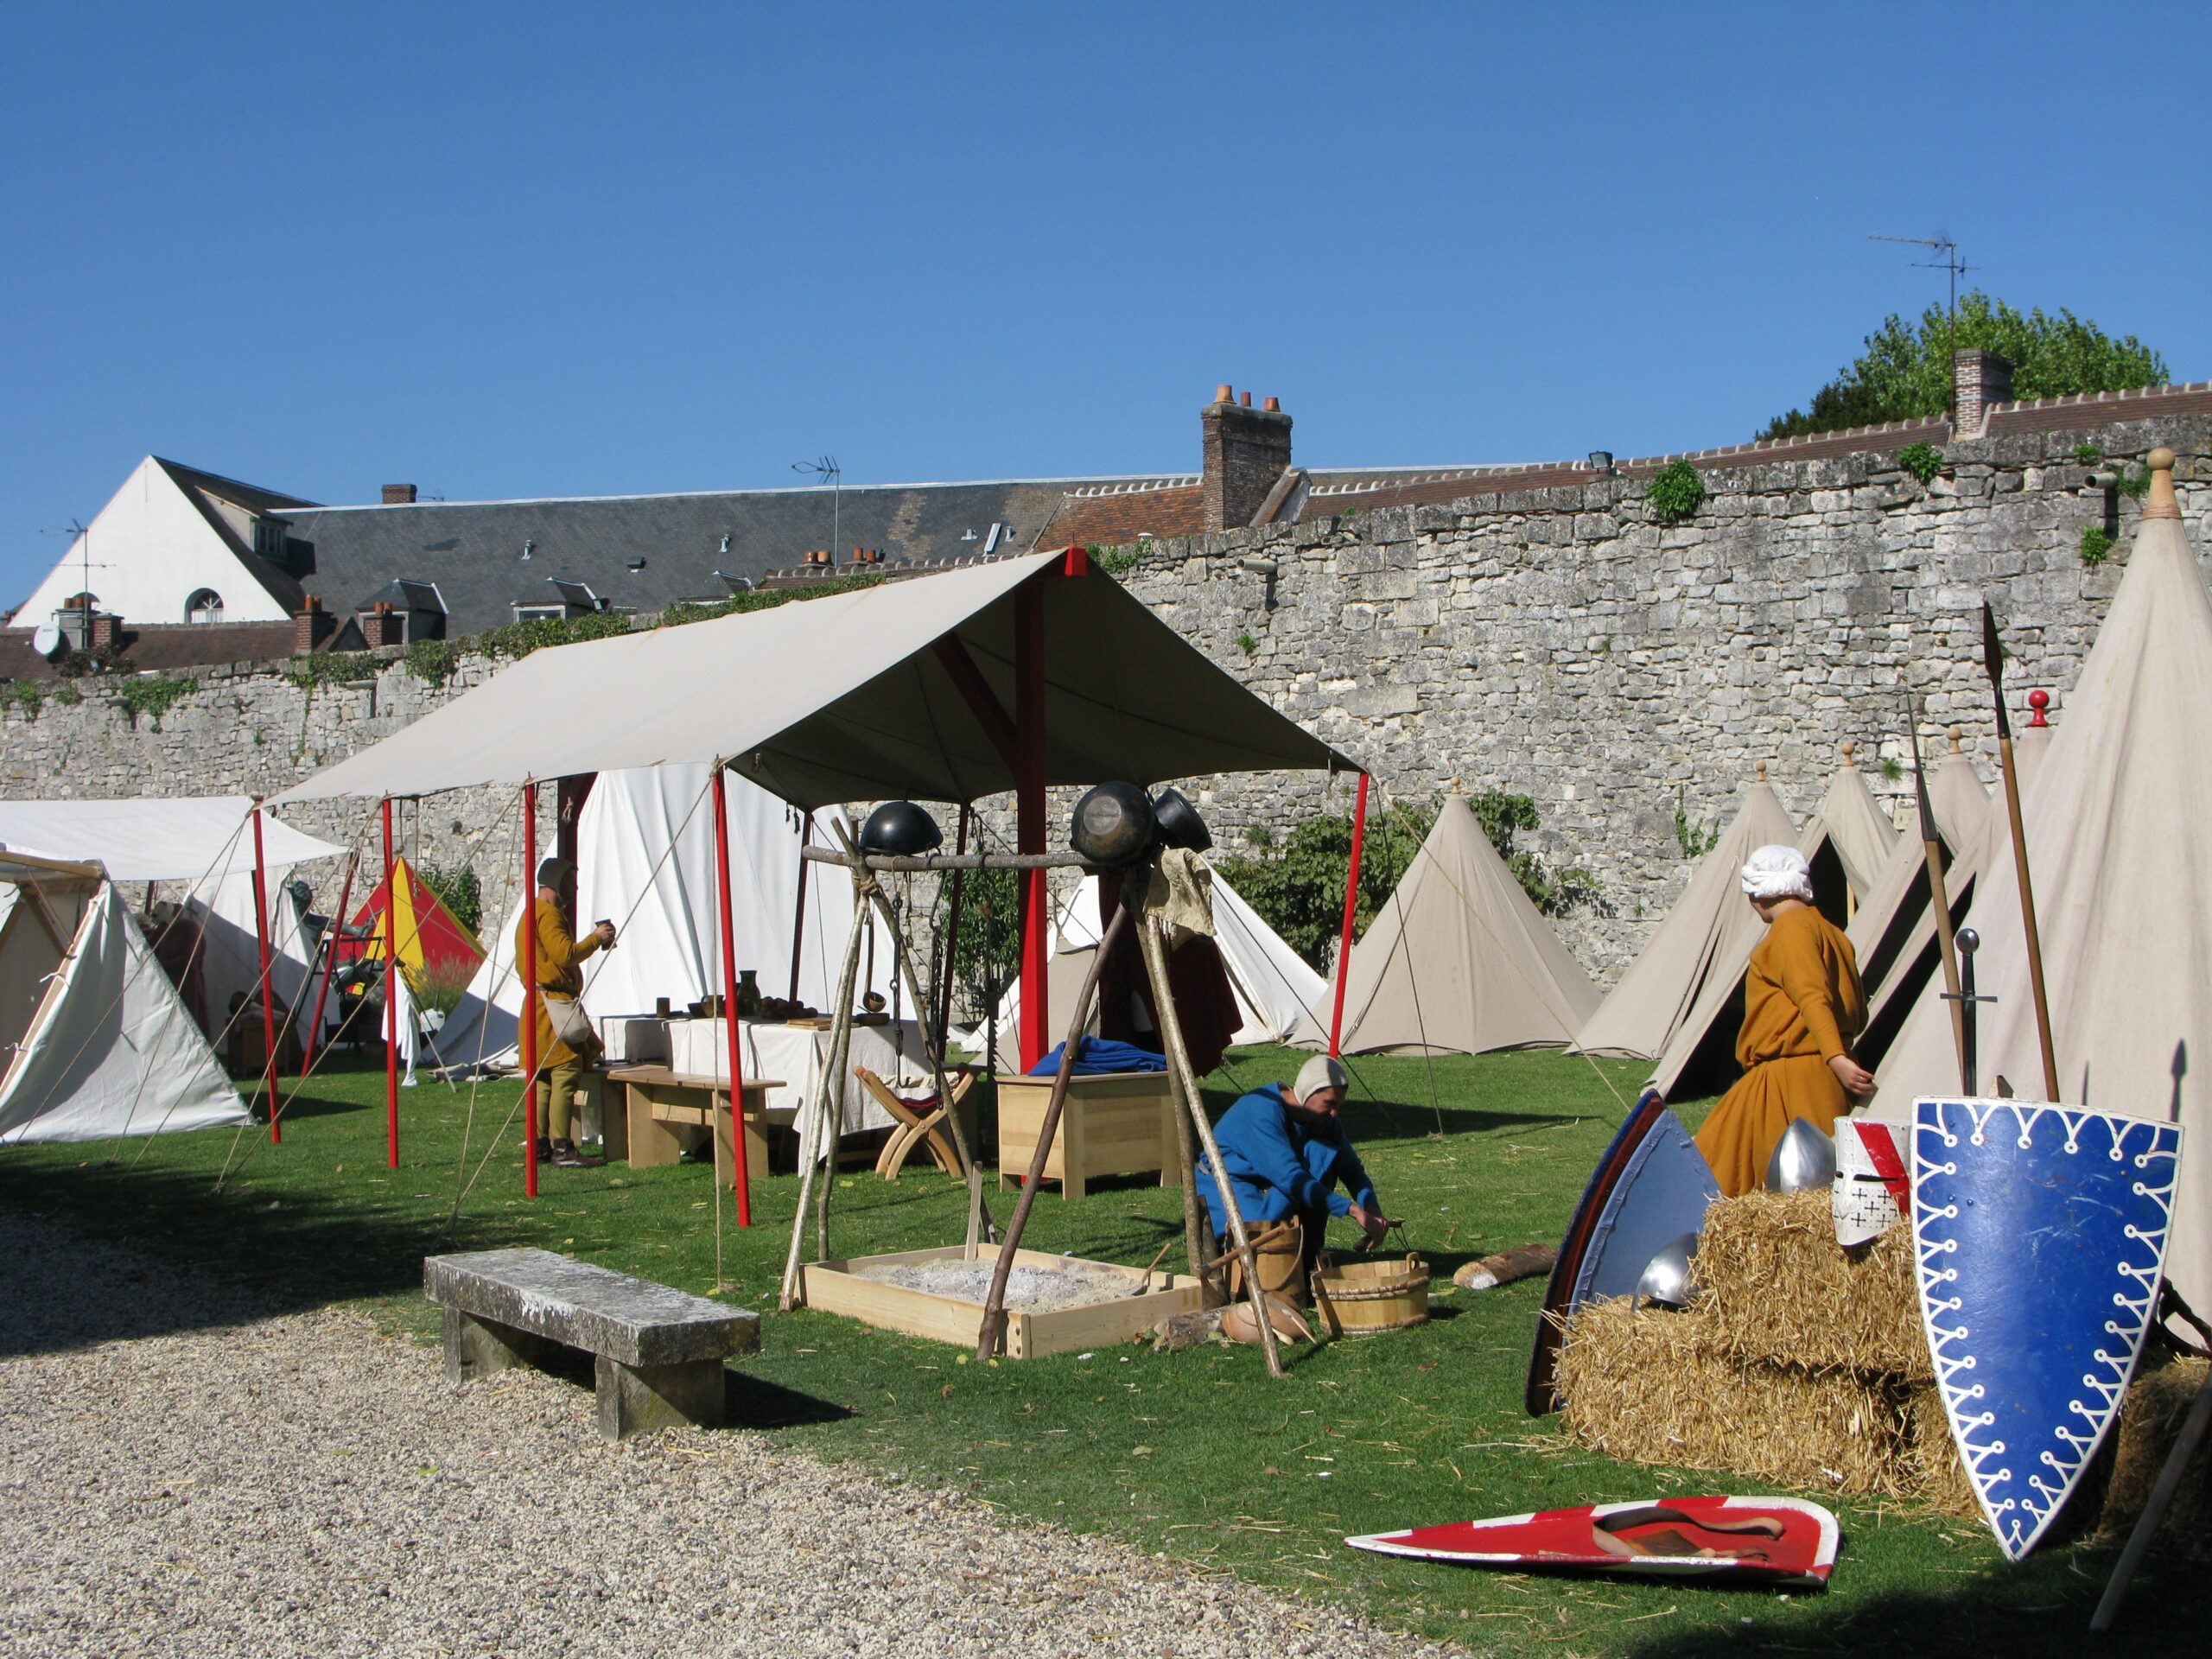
[(659, 1351)]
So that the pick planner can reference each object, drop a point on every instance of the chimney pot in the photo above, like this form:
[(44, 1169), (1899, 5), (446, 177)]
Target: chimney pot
[(1245, 399), (399, 495), (1274, 406), (1245, 452), (1222, 394)]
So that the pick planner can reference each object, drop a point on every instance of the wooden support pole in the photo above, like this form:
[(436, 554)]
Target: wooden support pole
[(799, 909), (740, 1177), (1029, 815), (994, 1326), (1932, 848), (1351, 910), (825, 1113), (332, 935), (529, 966), (2154, 1511), (951, 945), (268, 992), (904, 863), (390, 1005), (1993, 650), (1187, 1081)]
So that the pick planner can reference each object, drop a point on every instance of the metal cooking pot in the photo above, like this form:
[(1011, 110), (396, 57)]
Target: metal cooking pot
[(1666, 1281), (900, 830), (1179, 823), (1802, 1158), (1113, 825)]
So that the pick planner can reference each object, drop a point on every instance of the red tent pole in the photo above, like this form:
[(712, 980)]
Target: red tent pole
[(951, 936), (390, 1004), (740, 1178), (1035, 1036), (329, 967), (268, 998), (1352, 908), (529, 965), (798, 916)]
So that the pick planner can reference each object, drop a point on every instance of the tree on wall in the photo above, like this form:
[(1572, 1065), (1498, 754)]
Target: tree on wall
[(1904, 373)]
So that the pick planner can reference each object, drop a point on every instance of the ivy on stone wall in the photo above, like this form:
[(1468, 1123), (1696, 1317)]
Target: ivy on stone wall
[(151, 694), (1677, 491)]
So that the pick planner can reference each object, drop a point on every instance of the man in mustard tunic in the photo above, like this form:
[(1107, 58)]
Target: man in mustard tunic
[(1803, 1008), (565, 1064)]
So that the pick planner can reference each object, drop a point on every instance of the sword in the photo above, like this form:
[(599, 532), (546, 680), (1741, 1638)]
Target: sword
[(1932, 845), (1992, 662), (1969, 942)]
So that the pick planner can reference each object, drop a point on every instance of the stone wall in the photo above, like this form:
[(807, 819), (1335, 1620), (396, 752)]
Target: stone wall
[(1559, 643)]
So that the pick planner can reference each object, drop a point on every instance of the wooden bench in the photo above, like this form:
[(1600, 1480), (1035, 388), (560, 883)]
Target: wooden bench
[(660, 1104), (659, 1351)]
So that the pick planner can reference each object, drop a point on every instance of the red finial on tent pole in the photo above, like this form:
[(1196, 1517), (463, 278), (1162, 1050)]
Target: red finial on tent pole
[(390, 1004), (740, 1177), (529, 965), (268, 1000), (2038, 701), (1351, 908)]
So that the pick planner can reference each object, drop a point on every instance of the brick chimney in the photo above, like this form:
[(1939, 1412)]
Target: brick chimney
[(399, 495), (107, 631), (1246, 450), (382, 625), (312, 626), (1978, 378)]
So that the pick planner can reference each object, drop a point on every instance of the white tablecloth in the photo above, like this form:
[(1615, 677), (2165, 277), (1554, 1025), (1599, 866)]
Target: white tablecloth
[(795, 1056)]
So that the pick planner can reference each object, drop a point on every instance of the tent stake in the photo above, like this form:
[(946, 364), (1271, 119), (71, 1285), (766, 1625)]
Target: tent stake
[(267, 993), (740, 1177), (529, 989), (1186, 1084), (1351, 909), (823, 1129), (988, 1339)]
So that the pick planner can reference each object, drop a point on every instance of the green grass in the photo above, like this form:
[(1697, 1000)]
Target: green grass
[(1198, 1454)]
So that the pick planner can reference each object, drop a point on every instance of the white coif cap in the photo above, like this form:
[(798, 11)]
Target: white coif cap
[(1322, 1071), (1778, 872)]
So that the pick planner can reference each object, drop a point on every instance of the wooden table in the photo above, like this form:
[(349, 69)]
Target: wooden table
[(664, 1109), (1112, 1123)]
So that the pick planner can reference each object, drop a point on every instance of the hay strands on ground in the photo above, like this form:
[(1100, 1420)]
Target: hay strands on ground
[(1775, 1542)]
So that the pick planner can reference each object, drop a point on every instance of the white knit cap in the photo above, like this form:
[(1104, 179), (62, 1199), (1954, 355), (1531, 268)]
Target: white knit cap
[(1778, 872), (1322, 1071)]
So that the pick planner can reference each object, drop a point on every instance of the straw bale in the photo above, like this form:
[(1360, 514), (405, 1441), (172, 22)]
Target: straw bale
[(2149, 1420), (1939, 1472), (1659, 1386), (1781, 1291)]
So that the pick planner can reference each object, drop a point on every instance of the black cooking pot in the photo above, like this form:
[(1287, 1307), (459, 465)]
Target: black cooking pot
[(1179, 823), (1113, 825), (900, 830)]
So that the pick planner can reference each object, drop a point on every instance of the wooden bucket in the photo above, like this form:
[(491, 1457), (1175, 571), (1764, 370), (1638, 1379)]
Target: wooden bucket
[(1358, 1299)]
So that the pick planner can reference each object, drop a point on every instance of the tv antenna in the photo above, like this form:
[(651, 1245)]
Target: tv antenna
[(826, 467), (1946, 259), (82, 534)]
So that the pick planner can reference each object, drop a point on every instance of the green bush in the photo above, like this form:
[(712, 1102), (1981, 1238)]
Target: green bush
[(151, 694), (2096, 546), (1117, 561), (1923, 460), (457, 890), (23, 696), (1677, 491), (1693, 841)]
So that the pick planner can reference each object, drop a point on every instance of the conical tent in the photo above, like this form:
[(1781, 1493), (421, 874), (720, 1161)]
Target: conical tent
[(2119, 841), (1459, 960), (431, 944), (1959, 796), (1281, 998), (1700, 1057), (1710, 925), (98, 1043), (1858, 829)]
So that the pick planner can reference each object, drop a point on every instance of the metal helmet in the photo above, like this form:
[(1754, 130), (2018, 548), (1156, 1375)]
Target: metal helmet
[(1864, 1204), (1666, 1281), (900, 830), (1179, 823), (1113, 825), (1802, 1158)]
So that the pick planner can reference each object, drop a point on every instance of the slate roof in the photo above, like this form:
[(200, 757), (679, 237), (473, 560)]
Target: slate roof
[(474, 550), (174, 644)]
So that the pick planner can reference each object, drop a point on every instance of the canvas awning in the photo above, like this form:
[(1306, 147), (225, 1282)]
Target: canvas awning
[(855, 697), (177, 839)]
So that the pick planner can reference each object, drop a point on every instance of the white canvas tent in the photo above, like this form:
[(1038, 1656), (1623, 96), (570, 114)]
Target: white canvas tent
[(2119, 839), (200, 849), (1709, 927), (1959, 796), (1859, 830), (645, 860), (1280, 997), (1459, 960), (98, 1044)]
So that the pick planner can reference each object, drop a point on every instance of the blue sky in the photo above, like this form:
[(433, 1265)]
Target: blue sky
[(504, 251)]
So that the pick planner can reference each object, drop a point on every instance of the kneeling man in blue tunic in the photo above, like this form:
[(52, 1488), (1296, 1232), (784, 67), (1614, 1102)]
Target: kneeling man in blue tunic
[(1286, 1154)]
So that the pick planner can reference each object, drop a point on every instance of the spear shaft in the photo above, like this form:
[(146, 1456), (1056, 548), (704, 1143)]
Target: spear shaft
[(1992, 662), (1932, 845)]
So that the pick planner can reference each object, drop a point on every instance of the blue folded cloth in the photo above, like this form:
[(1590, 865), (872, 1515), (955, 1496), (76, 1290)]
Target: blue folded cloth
[(1094, 1055)]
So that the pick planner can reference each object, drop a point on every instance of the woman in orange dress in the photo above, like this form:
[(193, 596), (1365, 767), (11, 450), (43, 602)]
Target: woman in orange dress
[(1802, 1008)]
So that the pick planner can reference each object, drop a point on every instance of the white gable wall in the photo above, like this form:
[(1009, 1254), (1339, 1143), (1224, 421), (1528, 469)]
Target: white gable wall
[(152, 549)]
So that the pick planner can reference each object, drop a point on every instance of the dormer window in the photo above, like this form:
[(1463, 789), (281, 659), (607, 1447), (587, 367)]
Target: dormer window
[(269, 539), (205, 605)]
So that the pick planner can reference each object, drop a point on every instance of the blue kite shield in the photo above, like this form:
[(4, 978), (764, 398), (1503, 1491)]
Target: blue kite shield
[(2041, 1237)]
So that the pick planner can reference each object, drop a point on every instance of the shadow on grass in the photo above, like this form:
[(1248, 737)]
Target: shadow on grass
[(753, 1402)]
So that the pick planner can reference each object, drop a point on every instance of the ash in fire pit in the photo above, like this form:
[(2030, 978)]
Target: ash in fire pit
[(1071, 1283)]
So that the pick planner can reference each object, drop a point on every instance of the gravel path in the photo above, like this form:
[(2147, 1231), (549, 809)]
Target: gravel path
[(241, 1485)]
